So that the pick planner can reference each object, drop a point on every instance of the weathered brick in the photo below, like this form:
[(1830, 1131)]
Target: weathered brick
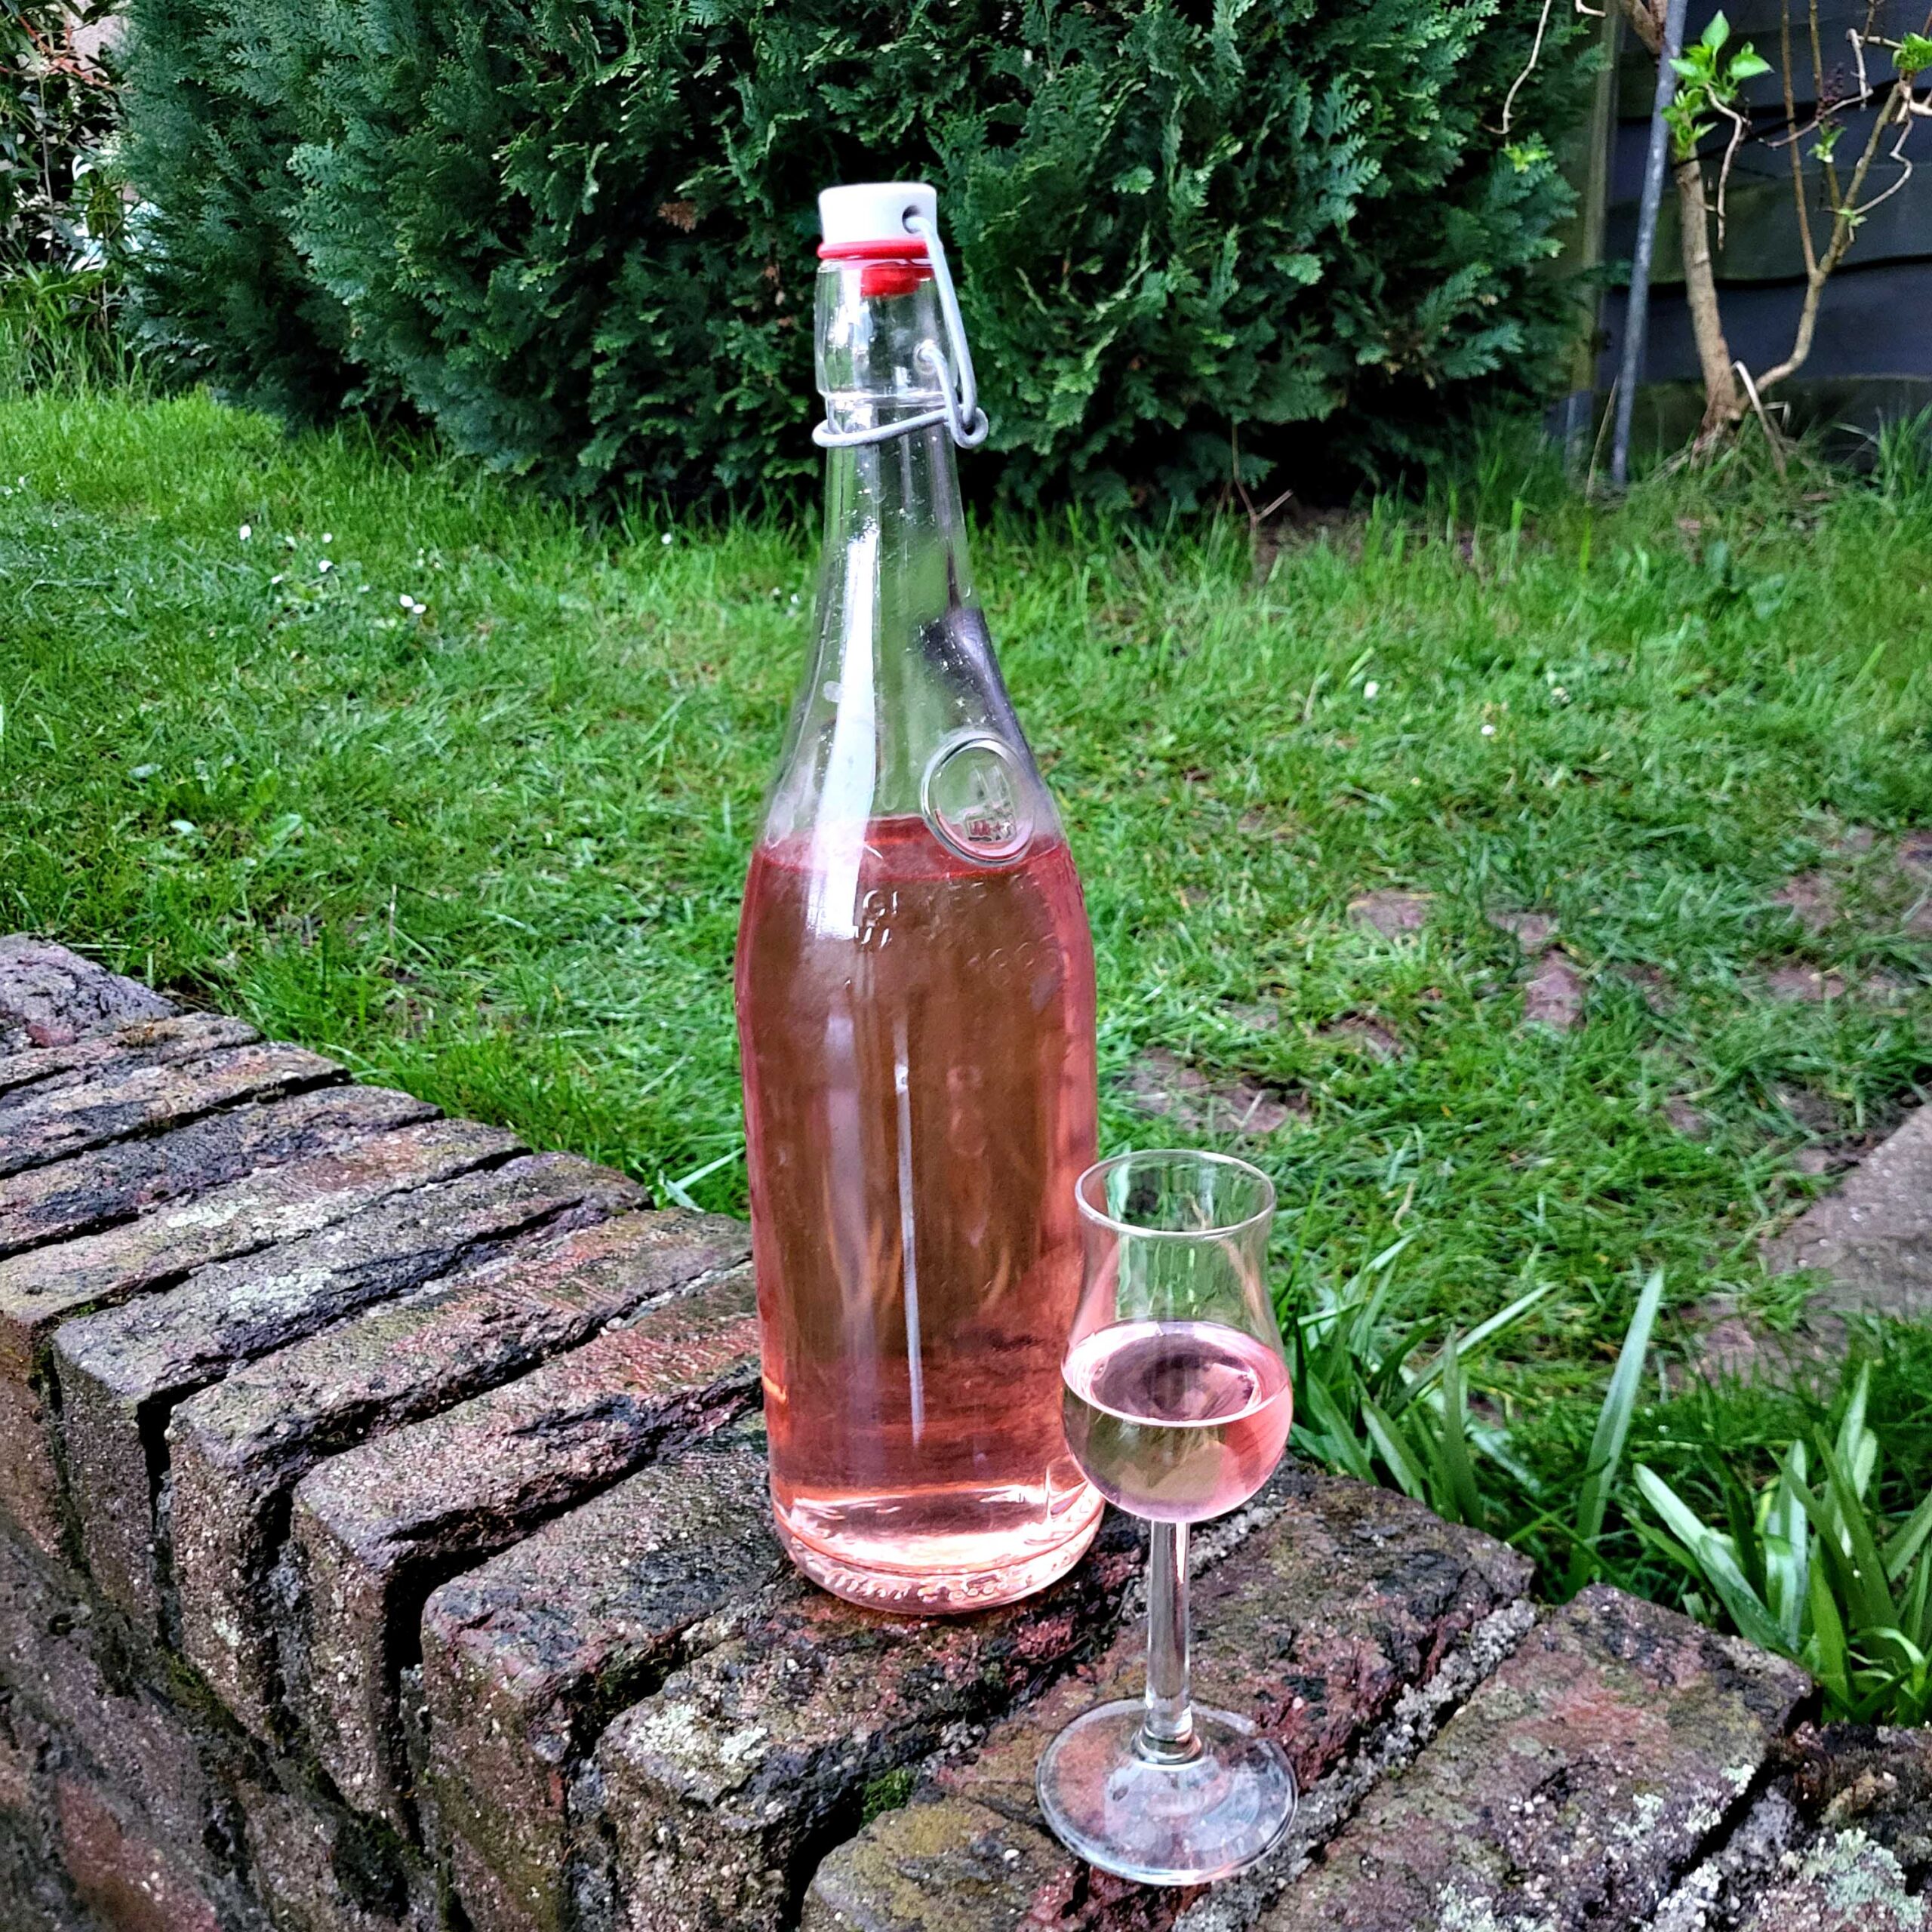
[(319, 1869), (942, 1864), (35, 1896), (122, 1371), (1569, 1793), (51, 1120), (122, 1873), (1843, 1882), (63, 1666), (525, 1659), (117, 1182), (73, 1695), (20, 1755), (49, 995), (373, 1531), (39, 1070), (236, 1450), (1877, 1776), (717, 1790), (1313, 1626), (1868, 1868), (41, 1289)]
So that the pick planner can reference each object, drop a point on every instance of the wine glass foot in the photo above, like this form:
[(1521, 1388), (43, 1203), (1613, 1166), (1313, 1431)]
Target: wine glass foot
[(1163, 1824)]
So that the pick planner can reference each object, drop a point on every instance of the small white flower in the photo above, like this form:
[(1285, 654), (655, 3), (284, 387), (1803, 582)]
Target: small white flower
[(328, 537), (280, 576), (245, 532), (1489, 730), (406, 601), (325, 565), (288, 542), (1369, 689), (794, 598), (666, 540)]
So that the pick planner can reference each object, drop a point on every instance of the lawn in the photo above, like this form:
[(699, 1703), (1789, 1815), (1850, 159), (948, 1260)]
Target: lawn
[(411, 767)]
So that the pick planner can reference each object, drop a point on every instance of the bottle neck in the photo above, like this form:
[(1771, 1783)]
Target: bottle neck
[(903, 668), (894, 527), (895, 562), (903, 714)]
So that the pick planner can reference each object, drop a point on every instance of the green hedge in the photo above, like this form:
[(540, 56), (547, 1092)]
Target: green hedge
[(577, 234)]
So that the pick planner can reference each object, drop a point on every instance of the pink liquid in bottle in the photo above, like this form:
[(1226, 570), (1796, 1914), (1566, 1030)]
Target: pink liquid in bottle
[(1177, 1421), (919, 1101)]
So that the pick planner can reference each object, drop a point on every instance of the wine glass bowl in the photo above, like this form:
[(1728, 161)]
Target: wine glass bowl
[(1177, 1406), (1176, 1428)]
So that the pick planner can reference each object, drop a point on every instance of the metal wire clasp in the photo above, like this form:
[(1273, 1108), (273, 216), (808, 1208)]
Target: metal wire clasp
[(959, 393)]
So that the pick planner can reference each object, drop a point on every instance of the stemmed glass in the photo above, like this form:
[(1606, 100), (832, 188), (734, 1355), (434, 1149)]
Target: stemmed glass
[(1177, 1406)]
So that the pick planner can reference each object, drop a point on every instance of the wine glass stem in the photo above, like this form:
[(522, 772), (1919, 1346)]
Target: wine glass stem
[(1166, 1734)]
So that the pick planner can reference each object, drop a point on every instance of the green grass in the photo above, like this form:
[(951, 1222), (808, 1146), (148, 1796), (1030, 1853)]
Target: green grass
[(493, 852)]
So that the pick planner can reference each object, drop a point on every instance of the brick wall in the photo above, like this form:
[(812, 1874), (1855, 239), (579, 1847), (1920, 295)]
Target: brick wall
[(385, 1548)]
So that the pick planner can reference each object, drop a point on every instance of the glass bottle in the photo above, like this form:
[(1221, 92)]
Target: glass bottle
[(915, 1006)]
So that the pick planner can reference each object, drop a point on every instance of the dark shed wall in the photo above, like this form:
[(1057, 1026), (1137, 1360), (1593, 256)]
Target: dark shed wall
[(1875, 324)]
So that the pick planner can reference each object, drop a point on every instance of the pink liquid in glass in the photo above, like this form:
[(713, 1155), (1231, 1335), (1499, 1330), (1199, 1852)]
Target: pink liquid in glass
[(919, 1101), (1178, 1421)]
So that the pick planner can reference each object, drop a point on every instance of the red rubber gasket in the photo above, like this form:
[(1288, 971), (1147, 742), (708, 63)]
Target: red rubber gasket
[(887, 248), (892, 278)]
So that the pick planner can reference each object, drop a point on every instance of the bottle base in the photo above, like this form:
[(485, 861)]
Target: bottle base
[(939, 1589)]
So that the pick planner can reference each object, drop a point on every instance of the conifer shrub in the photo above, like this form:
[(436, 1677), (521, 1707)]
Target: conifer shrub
[(577, 235)]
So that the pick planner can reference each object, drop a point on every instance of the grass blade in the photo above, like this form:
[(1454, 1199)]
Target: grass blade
[(1872, 1603), (1787, 1543), (1388, 1441), (1826, 1655), (1613, 1430), (1909, 1539), (1853, 1433), (1484, 1331), (1344, 1446), (1454, 1442), (1716, 1560)]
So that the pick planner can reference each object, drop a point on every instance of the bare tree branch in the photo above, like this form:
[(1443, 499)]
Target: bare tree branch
[(1901, 106), (1738, 128), (1790, 122), (1529, 66), (1646, 24)]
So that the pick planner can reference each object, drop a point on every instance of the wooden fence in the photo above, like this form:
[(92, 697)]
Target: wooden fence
[(1873, 352)]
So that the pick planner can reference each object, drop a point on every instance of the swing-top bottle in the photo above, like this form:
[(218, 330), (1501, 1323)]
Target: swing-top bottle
[(915, 1004)]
